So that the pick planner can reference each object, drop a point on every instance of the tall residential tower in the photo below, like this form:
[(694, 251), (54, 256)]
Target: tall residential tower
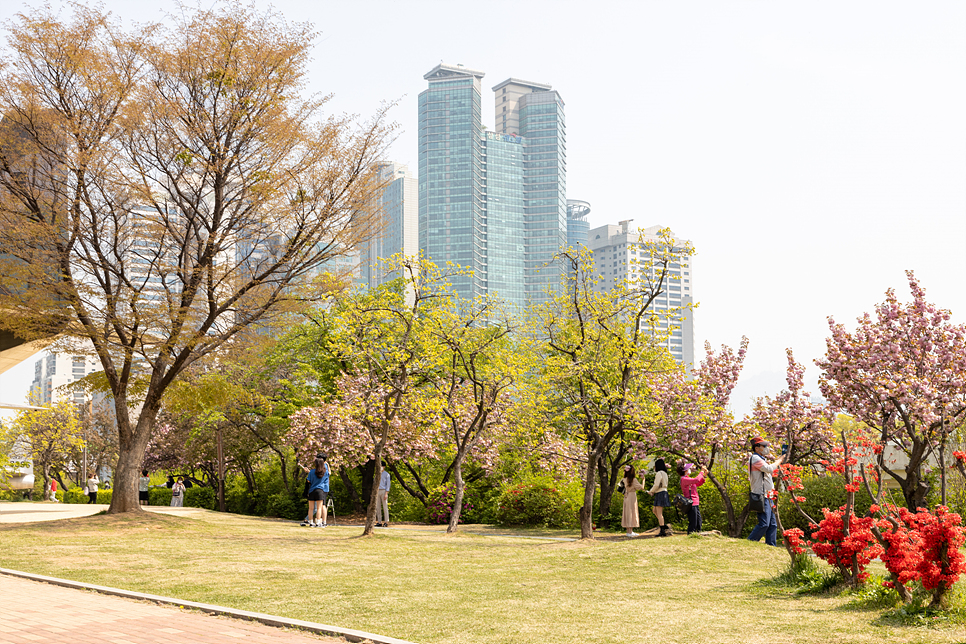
[(617, 255), (493, 202)]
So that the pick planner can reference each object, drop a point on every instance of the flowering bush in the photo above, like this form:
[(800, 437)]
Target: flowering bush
[(540, 501), (849, 553), (440, 506)]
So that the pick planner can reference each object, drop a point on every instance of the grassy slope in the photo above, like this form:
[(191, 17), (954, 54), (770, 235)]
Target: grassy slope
[(426, 587)]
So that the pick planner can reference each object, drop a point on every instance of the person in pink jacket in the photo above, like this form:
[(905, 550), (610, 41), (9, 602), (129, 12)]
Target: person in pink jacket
[(689, 489)]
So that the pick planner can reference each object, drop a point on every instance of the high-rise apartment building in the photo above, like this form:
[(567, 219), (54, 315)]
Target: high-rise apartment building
[(492, 202), (617, 256), (400, 225), (55, 370), (536, 112)]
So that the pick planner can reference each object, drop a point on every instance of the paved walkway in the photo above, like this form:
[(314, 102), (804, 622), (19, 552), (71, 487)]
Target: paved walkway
[(33, 612), (69, 612)]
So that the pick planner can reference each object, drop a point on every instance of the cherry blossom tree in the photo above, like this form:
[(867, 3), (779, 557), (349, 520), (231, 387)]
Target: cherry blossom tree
[(693, 421), (902, 372), (381, 337), (792, 419)]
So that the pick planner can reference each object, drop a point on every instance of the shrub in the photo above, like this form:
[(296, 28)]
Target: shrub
[(540, 501), (74, 495), (440, 505), (198, 497), (285, 506), (159, 496)]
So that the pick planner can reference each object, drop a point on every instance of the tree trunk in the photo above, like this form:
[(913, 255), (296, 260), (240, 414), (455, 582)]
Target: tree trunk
[(454, 517), (132, 443), (735, 522), (374, 480), (590, 486)]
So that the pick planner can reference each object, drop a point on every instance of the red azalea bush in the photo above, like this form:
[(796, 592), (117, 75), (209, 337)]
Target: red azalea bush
[(852, 553)]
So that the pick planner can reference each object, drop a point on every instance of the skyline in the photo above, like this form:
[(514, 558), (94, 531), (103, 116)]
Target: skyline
[(811, 153)]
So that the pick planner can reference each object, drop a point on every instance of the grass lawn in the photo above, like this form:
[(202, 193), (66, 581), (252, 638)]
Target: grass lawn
[(420, 585)]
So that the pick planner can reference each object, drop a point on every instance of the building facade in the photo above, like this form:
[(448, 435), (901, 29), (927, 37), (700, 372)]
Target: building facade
[(400, 225), (578, 227), (617, 256), (55, 370), (493, 202)]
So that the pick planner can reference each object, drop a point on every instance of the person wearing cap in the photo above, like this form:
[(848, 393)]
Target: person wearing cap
[(759, 475)]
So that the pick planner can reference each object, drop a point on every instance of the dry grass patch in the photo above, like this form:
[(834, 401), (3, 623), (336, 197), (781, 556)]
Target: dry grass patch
[(422, 585)]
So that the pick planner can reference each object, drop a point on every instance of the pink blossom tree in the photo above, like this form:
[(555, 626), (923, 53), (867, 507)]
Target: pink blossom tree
[(693, 421), (792, 419), (902, 372), (381, 337)]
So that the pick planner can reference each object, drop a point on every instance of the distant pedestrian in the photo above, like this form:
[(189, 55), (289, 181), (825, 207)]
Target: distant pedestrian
[(689, 490), (318, 480), (760, 482), (661, 498), (92, 484), (382, 500), (143, 484), (630, 518), (177, 494), (53, 491)]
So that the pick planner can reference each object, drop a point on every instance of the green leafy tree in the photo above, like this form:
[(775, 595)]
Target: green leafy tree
[(54, 434), (601, 350), (166, 187)]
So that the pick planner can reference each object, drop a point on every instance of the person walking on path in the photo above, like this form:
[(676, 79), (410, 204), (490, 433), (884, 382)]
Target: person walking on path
[(629, 515), (382, 500), (143, 483), (661, 497), (760, 481), (92, 484), (177, 493), (53, 490), (689, 489), (318, 479)]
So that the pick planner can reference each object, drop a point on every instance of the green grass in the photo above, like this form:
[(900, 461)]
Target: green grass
[(421, 585)]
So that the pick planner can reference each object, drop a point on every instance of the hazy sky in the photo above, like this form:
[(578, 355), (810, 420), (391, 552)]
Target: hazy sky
[(812, 151)]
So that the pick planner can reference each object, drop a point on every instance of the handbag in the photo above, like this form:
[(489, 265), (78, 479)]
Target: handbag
[(684, 503), (756, 502), (620, 486)]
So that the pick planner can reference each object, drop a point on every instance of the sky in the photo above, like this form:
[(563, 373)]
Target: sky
[(811, 151)]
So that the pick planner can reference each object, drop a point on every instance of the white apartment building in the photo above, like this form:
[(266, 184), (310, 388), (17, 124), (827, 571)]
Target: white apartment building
[(55, 370), (617, 252)]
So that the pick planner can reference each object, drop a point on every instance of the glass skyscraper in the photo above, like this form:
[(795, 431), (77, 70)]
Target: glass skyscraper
[(494, 203), (452, 222)]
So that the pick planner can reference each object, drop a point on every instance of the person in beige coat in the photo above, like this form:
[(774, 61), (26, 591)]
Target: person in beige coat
[(629, 517)]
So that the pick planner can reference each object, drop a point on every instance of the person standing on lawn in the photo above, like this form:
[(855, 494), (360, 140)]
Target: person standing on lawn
[(144, 484), (760, 481), (382, 500), (689, 489), (92, 483), (629, 516), (661, 497), (318, 480), (177, 493)]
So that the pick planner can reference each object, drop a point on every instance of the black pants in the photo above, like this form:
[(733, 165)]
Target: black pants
[(694, 519), (92, 496)]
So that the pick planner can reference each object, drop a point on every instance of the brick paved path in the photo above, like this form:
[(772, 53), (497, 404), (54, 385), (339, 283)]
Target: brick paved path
[(32, 612)]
